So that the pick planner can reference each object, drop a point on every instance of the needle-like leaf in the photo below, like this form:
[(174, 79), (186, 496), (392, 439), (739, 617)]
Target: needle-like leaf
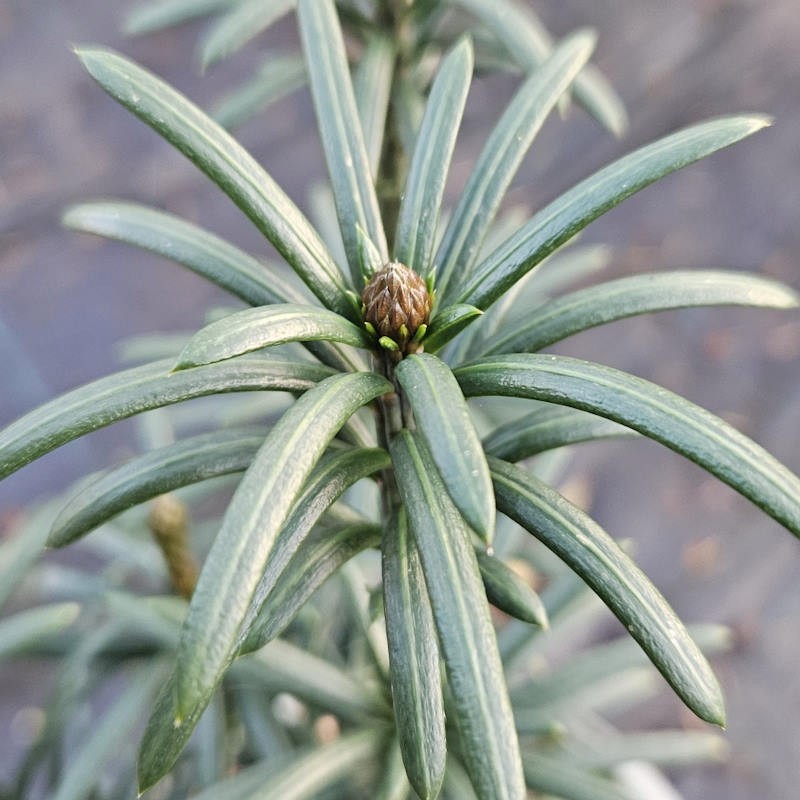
[(245, 20), (124, 394), (547, 428), (497, 164), (555, 776), (105, 739), (155, 16), (255, 328), (657, 413), (448, 323), (372, 85), (413, 661), (638, 294), (594, 555), (278, 77), (317, 557), (340, 127), (331, 478), (564, 217), (529, 43), (421, 201), (172, 237), (481, 709), (445, 423), (225, 161), (164, 470), (221, 605), (508, 592)]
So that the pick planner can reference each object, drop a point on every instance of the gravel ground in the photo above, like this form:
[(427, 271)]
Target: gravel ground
[(65, 300)]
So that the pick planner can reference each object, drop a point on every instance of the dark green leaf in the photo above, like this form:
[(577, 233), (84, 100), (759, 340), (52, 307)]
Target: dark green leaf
[(413, 661), (318, 556), (651, 410), (330, 479), (558, 777), (529, 43), (155, 16), (278, 77), (446, 425), (223, 159), (124, 394), (481, 710), (372, 85), (255, 328), (638, 294), (242, 23), (221, 605), (548, 428), (594, 555), (508, 591), (172, 237), (164, 470), (501, 156), (447, 323), (421, 201), (564, 217), (340, 127)]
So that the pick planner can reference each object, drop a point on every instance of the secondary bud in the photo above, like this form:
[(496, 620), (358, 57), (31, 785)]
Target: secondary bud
[(397, 306)]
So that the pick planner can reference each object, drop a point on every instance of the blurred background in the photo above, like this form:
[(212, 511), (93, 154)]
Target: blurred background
[(67, 300)]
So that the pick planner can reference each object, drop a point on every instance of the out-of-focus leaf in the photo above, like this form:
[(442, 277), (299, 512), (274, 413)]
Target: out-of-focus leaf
[(155, 16), (507, 145), (394, 785), (508, 591), (27, 628), (225, 161), (421, 199), (575, 209), (255, 328), (111, 734), (638, 294), (315, 771), (553, 776), (526, 39), (414, 661), (164, 470), (664, 748), (278, 77), (132, 391), (548, 428), (445, 423), (656, 412), (481, 710), (340, 127), (372, 85), (221, 604), (245, 20), (595, 556)]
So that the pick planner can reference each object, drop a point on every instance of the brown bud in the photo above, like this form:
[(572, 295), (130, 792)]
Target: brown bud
[(396, 303)]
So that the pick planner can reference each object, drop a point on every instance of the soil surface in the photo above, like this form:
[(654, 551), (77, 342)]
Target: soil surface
[(67, 300)]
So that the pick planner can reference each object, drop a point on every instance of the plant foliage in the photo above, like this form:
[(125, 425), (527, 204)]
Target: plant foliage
[(388, 427)]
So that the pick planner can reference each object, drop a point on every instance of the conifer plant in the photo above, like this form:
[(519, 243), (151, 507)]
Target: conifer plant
[(381, 349)]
